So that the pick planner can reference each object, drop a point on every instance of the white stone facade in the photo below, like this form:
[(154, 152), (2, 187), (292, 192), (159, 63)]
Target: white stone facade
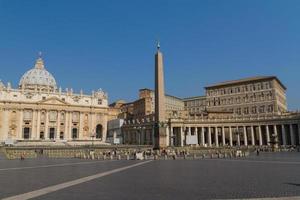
[(37, 110)]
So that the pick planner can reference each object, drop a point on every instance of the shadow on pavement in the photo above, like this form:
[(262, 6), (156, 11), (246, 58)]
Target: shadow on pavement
[(294, 184)]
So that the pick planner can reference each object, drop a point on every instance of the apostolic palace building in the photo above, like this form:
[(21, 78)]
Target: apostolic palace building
[(246, 112), (40, 111)]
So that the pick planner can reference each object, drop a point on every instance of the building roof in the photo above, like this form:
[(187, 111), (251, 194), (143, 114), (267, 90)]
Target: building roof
[(120, 101), (165, 93), (193, 98), (245, 80)]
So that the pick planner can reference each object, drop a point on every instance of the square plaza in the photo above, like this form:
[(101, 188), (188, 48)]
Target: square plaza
[(264, 176)]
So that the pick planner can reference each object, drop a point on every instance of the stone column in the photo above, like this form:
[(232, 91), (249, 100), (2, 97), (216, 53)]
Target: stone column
[(260, 136), (139, 136), (216, 137), (275, 135), (129, 136), (202, 136), (93, 124), (245, 136), (252, 136), (171, 136), (153, 137), (268, 135), (70, 124), (47, 125), (189, 131), (196, 133), (238, 136), (20, 126), (209, 136), (5, 124), (182, 135), (223, 136), (80, 129), (33, 125), (230, 136), (66, 133), (283, 135), (58, 126), (38, 127), (292, 134)]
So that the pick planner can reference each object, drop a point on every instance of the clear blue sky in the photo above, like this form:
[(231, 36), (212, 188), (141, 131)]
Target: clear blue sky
[(110, 44)]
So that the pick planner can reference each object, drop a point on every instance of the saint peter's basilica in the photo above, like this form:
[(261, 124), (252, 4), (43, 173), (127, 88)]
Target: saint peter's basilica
[(39, 110)]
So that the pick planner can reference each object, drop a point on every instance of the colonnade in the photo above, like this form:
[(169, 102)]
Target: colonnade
[(139, 136), (285, 134), (236, 135), (60, 128)]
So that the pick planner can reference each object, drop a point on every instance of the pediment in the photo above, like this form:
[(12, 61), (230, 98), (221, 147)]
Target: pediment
[(53, 101)]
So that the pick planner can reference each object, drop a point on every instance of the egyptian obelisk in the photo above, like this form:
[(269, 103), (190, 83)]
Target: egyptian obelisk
[(160, 132)]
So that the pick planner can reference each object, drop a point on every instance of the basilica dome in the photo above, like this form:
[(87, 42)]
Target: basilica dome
[(38, 78)]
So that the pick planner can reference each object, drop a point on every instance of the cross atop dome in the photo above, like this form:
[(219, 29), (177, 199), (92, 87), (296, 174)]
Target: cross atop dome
[(39, 64)]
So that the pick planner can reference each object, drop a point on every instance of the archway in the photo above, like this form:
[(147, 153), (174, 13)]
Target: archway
[(74, 133), (52, 133), (26, 133), (99, 130)]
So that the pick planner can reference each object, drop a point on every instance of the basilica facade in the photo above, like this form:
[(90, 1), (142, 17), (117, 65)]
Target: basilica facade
[(40, 111)]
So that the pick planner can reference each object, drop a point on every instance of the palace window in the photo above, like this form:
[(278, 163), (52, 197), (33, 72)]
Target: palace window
[(27, 115), (271, 95), (270, 108), (61, 135), (253, 110), (42, 135), (52, 116), (258, 86), (262, 109), (262, 96), (246, 111)]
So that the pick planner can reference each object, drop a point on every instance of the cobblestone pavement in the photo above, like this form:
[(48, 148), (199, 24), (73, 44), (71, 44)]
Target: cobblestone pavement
[(267, 175)]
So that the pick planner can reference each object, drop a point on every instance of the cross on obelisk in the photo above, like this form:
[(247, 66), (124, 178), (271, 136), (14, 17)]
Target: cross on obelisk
[(160, 128)]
